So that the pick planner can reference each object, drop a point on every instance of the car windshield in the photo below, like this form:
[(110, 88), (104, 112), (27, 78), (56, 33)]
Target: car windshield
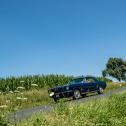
[(76, 80)]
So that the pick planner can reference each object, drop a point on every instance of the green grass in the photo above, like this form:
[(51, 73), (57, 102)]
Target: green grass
[(110, 111), (35, 97), (112, 86), (29, 99)]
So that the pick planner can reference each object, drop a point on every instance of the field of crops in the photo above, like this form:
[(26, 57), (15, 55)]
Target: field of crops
[(12, 83)]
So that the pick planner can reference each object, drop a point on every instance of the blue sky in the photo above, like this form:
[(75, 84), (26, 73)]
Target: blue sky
[(71, 37)]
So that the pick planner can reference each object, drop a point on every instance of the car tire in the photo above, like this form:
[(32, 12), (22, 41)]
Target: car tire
[(100, 90), (76, 94), (55, 99)]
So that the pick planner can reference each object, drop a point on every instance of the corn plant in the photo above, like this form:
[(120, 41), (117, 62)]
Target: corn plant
[(11, 83)]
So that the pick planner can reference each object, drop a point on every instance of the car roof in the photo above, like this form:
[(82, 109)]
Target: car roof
[(84, 76)]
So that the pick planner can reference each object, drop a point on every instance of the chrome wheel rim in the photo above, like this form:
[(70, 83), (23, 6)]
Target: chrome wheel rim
[(77, 94), (101, 90)]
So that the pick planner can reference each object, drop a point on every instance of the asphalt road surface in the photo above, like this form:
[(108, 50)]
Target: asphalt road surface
[(26, 113)]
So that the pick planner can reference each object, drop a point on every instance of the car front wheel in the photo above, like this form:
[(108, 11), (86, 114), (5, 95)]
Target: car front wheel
[(100, 90), (55, 99), (76, 94)]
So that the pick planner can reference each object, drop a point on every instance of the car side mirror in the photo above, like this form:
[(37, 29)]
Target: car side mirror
[(82, 82)]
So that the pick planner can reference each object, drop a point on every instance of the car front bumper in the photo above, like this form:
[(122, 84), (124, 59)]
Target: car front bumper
[(61, 94)]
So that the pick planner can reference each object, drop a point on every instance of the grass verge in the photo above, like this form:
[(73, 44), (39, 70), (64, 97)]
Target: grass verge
[(35, 97), (110, 111)]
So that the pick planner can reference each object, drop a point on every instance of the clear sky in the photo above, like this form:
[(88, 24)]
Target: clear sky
[(71, 37)]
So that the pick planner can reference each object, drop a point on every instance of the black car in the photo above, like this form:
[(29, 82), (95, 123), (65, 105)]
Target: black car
[(78, 87)]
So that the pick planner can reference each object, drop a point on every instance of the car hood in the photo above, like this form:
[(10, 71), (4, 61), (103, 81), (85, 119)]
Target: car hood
[(58, 89)]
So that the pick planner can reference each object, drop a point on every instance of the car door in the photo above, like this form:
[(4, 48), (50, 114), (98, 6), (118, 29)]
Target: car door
[(85, 86), (91, 83)]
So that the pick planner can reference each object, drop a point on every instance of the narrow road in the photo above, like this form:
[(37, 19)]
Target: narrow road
[(26, 113)]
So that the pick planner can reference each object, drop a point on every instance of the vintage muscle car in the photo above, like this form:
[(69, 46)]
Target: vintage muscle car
[(78, 87)]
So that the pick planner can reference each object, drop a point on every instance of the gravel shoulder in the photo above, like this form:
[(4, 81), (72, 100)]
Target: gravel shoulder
[(26, 113)]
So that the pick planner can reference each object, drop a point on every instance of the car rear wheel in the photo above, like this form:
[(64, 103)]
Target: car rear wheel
[(100, 90), (76, 94)]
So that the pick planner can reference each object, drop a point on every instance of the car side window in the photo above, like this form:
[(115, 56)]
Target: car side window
[(90, 80), (84, 80)]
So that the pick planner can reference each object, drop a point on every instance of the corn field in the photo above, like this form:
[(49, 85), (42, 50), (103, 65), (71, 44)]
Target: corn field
[(11, 83)]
